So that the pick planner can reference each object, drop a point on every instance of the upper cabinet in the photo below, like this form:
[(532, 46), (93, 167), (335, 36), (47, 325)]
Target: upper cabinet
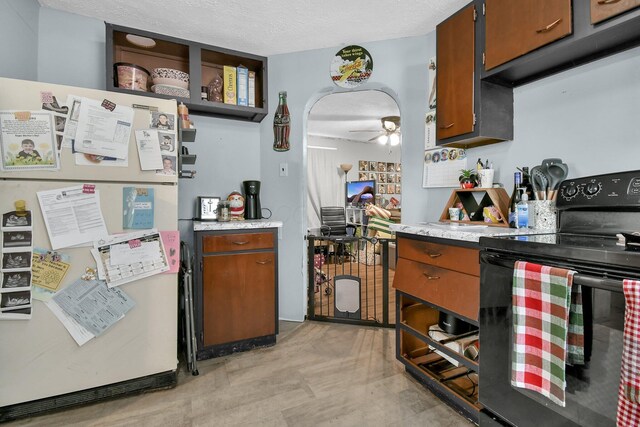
[(470, 113), (514, 28), (527, 39), (605, 9), (191, 73), (456, 65)]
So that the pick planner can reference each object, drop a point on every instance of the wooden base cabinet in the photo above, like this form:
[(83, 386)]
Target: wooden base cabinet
[(433, 276), (236, 291)]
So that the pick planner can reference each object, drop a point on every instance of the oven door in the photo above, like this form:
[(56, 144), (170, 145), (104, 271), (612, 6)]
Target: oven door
[(592, 390)]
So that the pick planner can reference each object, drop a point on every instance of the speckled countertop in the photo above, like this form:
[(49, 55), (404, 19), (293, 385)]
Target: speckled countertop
[(235, 225), (469, 233)]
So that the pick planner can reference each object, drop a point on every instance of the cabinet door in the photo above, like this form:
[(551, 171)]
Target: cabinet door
[(455, 76), (238, 297), (605, 9), (518, 27)]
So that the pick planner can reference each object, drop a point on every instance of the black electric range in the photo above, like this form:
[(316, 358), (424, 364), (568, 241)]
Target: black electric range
[(591, 211)]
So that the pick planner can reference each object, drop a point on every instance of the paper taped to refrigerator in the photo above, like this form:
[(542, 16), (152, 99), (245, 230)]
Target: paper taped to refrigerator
[(72, 215)]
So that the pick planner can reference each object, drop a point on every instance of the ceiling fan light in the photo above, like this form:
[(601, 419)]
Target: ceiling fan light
[(394, 139), (389, 125), (382, 139)]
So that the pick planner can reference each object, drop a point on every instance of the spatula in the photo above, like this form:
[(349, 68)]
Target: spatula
[(539, 182), (557, 173)]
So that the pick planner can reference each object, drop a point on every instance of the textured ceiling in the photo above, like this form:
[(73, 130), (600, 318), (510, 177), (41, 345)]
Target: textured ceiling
[(270, 27), (336, 116)]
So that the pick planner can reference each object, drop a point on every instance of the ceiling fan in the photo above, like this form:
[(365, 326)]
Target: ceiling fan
[(390, 132)]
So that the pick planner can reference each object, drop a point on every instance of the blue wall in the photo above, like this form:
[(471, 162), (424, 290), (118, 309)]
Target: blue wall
[(587, 116), (19, 41)]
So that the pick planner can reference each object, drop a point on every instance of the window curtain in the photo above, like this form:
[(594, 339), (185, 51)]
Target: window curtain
[(324, 183)]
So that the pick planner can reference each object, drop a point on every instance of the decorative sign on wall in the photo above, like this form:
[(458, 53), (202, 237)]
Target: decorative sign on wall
[(351, 66)]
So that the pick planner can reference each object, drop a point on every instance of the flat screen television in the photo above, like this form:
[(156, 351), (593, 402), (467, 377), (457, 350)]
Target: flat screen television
[(361, 192)]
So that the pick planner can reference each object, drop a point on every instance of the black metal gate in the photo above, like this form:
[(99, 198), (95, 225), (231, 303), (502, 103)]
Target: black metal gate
[(349, 280)]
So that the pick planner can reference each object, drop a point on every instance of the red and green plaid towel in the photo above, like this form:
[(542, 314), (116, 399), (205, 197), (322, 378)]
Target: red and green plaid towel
[(629, 391), (541, 302)]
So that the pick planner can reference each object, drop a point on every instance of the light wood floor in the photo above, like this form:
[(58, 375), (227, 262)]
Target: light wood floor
[(371, 290), (317, 374)]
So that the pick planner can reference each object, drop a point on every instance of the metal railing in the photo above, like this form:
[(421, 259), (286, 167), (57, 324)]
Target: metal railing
[(349, 280)]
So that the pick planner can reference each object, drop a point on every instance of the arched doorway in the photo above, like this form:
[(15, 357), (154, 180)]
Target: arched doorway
[(352, 157)]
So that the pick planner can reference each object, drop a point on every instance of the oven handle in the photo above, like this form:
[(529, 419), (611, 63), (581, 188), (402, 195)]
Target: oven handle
[(578, 278)]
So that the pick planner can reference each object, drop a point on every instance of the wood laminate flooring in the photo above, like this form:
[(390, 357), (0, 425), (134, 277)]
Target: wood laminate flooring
[(317, 374)]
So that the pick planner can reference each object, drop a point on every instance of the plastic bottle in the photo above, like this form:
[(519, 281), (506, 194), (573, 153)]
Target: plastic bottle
[(522, 212)]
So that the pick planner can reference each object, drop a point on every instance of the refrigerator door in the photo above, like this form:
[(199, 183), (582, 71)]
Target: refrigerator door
[(39, 357), (22, 95)]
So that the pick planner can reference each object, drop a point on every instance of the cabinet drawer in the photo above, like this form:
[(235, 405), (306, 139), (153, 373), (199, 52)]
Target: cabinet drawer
[(605, 9), (514, 28), (454, 291), (464, 260), (237, 242)]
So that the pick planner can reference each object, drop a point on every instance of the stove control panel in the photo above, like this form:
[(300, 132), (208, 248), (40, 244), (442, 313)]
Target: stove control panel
[(610, 190)]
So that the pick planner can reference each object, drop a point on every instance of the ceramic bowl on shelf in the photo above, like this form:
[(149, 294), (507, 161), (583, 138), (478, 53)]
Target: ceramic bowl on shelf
[(171, 77), (131, 76), (170, 90)]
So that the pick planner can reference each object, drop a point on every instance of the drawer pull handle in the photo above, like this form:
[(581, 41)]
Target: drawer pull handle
[(447, 126), (436, 255), (430, 277), (608, 1), (263, 262), (241, 243), (549, 27)]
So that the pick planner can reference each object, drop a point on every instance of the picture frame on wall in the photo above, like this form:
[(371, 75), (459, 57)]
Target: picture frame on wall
[(382, 177), (382, 167), (398, 167), (391, 167), (363, 176), (372, 176), (363, 165), (373, 166)]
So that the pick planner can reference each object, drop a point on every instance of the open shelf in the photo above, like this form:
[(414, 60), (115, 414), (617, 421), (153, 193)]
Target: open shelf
[(416, 319), (460, 383), (200, 61), (497, 197)]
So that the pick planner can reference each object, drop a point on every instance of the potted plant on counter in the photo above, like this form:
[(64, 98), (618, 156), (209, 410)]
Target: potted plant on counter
[(468, 178)]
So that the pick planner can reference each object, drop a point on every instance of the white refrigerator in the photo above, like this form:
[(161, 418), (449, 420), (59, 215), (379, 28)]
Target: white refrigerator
[(38, 357)]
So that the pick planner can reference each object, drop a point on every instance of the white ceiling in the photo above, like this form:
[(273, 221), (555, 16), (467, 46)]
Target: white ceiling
[(270, 27), (336, 116)]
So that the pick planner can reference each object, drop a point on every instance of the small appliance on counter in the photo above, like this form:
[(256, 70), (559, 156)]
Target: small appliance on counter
[(252, 200)]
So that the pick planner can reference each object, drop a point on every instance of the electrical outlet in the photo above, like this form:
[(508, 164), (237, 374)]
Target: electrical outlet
[(284, 169)]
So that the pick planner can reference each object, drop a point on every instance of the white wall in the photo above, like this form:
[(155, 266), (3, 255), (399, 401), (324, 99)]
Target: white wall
[(19, 41), (353, 151)]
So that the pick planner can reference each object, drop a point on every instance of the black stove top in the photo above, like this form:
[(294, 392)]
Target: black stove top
[(591, 211), (578, 248)]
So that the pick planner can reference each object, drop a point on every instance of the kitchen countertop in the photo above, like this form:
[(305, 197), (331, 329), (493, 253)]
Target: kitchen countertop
[(235, 225), (468, 233)]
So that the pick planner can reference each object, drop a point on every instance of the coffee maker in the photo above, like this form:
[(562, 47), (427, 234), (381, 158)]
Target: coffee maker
[(252, 208)]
